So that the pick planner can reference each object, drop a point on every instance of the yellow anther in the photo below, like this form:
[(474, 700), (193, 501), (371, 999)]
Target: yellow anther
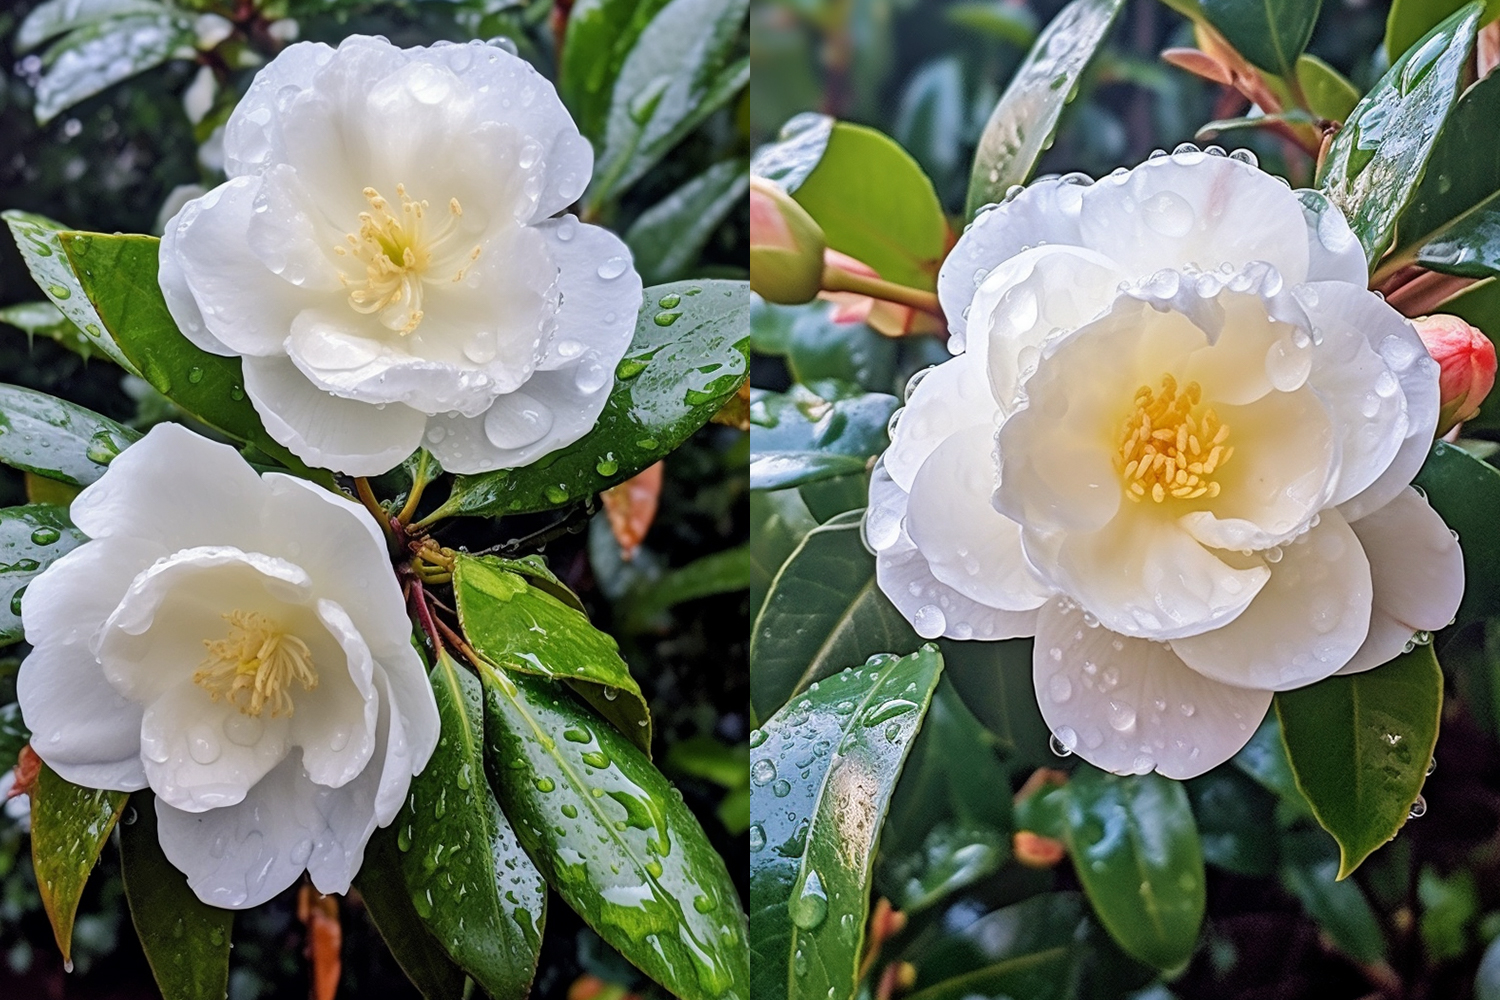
[(255, 665), (1162, 444)]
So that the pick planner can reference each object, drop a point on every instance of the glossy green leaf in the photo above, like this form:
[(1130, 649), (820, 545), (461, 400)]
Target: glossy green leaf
[(55, 438), (1309, 871), (1022, 950), (69, 825), (1450, 905), (823, 613), (1330, 95), (1235, 822), (690, 354), (186, 941), (43, 319), (1408, 20), (870, 197), (118, 274), (933, 116), (519, 626), (613, 838), (97, 56), (999, 20), (1025, 120), (1270, 33), (39, 240), (994, 681), (667, 237), (716, 573), (1466, 492), (822, 772), (31, 537), (468, 878), (600, 35), (817, 346), (1359, 746), (55, 17), (1378, 156), (417, 952), (1134, 845), (1264, 758), (812, 433), (682, 68), (1452, 223), (779, 520)]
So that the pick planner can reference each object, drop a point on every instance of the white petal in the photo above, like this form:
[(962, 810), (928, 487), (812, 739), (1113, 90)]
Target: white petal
[(1045, 212), (70, 600), (221, 508), (81, 726), (969, 545), (886, 512), (1418, 571), (1306, 622), (1191, 208), (290, 234), (334, 723), (202, 755), (598, 314), (409, 693), (951, 397), (1131, 706), (936, 609), (345, 435), (252, 137), (1334, 252)]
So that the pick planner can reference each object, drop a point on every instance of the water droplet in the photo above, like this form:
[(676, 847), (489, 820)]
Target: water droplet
[(613, 268), (757, 838), (1168, 214), (666, 318), (929, 621), (45, 535), (556, 494), (195, 374), (1418, 809), (595, 758), (670, 300), (59, 292), (763, 771), (781, 788), (809, 903), (243, 730), (607, 466), (1431, 764), (15, 601), (577, 734), (544, 784), (1064, 741), (889, 710), (203, 746)]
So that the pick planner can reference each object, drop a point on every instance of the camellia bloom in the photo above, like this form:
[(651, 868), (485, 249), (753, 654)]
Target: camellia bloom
[(1177, 449), (384, 259), (239, 644)]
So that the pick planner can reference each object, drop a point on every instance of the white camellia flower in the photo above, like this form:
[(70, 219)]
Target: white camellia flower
[(1176, 448), (239, 644), (384, 259)]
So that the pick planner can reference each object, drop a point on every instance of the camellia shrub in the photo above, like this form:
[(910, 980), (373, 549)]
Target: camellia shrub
[(1114, 528), (302, 631)]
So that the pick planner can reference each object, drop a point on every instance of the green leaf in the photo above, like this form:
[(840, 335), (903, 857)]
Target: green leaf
[(1024, 121), (69, 826), (53, 18), (682, 68), (1022, 950), (391, 908), (667, 237), (520, 626), (824, 612), (690, 354), (40, 242), (812, 433), (1270, 33), (822, 773), (1378, 156), (57, 439), (468, 879), (817, 346), (31, 537), (1330, 95), (870, 197), (1001, 21), (118, 274), (716, 573), (1309, 871), (1264, 758), (1409, 20), (933, 117), (779, 520), (186, 941), (46, 320), (600, 35), (994, 680), (1235, 822), (1449, 906), (1359, 746), (1452, 223), (99, 55), (613, 838), (1466, 493)]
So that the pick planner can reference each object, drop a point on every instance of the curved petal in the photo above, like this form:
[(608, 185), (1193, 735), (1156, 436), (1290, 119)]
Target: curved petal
[(414, 709), (885, 514), (202, 755), (936, 609), (334, 723), (1191, 208), (1131, 706), (71, 600), (1334, 252), (290, 234), (325, 431), (968, 545), (949, 398), (81, 726), (252, 136), (1418, 572), (1306, 622)]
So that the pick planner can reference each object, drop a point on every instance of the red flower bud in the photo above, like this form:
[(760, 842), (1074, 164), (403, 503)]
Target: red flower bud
[(1466, 363), (786, 246)]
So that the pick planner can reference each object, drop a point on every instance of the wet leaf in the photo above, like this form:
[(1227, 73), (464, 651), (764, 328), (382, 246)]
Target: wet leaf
[(99, 55), (32, 536), (55, 438), (600, 35), (1024, 121), (1309, 871), (1466, 492), (613, 838), (186, 941), (1409, 20), (716, 573), (46, 320), (69, 825), (1330, 95), (812, 433), (1270, 33), (1236, 823), (689, 355), (55, 17), (519, 626), (1359, 746), (1022, 950), (416, 951), (666, 238)]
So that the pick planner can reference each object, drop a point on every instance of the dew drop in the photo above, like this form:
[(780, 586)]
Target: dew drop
[(1418, 809), (809, 903), (613, 268), (763, 771)]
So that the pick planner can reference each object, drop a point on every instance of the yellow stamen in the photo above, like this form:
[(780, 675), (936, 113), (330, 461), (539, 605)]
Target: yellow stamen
[(1162, 445), (255, 665)]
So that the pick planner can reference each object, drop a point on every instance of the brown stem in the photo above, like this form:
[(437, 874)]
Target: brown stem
[(1421, 295), (425, 617)]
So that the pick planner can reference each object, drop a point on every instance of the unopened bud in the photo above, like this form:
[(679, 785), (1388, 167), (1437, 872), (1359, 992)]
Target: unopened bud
[(1035, 851), (786, 246), (1466, 364)]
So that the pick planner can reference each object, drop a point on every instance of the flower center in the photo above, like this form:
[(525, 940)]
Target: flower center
[(401, 250), (255, 665), (1170, 446)]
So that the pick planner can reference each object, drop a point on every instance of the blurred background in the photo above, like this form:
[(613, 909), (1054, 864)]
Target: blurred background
[(135, 94)]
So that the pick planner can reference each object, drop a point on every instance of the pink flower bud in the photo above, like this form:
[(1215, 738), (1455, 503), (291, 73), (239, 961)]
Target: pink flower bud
[(786, 246), (1466, 362)]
